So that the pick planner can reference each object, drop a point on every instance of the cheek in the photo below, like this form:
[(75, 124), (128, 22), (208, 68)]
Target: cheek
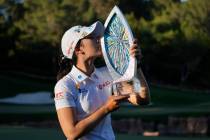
[(90, 51), (91, 48)]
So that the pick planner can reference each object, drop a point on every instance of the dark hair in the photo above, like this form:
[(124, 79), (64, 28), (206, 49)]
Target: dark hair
[(66, 64)]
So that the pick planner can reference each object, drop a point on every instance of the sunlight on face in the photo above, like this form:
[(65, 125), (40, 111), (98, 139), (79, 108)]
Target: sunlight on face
[(92, 47)]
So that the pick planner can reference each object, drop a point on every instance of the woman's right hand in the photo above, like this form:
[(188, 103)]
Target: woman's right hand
[(114, 101)]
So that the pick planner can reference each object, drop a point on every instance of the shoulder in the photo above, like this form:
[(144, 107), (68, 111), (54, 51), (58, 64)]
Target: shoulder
[(63, 84), (64, 94)]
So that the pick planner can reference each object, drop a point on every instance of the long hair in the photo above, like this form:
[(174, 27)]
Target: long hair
[(66, 64)]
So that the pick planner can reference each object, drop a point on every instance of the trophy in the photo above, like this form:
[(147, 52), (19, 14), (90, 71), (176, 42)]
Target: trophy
[(116, 42)]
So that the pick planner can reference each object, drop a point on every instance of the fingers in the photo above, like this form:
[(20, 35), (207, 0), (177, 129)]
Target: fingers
[(134, 49), (134, 99), (114, 101), (134, 45), (121, 97), (135, 41)]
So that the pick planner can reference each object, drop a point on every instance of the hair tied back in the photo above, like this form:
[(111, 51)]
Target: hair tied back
[(63, 57)]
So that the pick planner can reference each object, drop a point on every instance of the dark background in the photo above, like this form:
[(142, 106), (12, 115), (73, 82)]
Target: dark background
[(173, 35)]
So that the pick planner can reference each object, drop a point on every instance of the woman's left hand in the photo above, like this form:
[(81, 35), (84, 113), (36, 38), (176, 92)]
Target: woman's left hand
[(137, 98), (134, 99), (134, 49)]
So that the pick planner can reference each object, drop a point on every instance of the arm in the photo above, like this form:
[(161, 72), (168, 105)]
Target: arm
[(74, 130), (141, 97)]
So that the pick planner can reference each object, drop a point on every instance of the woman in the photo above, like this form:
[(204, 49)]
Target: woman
[(83, 96)]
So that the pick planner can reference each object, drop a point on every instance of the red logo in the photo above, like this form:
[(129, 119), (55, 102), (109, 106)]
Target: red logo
[(101, 86), (59, 95)]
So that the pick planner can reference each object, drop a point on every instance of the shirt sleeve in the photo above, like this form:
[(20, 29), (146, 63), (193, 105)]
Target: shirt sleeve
[(63, 97)]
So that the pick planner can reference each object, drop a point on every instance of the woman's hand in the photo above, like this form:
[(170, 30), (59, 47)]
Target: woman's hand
[(135, 50), (137, 98), (113, 102), (134, 99)]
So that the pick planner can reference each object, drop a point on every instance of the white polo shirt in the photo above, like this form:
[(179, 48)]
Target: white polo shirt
[(86, 95)]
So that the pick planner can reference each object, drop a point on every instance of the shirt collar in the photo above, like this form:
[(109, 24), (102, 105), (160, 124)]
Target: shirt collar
[(95, 74), (78, 75)]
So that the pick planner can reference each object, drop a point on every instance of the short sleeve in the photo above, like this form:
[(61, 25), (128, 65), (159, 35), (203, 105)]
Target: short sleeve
[(63, 97)]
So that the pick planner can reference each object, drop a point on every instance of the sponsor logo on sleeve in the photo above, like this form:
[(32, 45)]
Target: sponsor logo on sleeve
[(59, 96)]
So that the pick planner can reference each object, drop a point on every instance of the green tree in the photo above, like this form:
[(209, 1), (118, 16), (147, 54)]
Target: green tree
[(44, 22), (103, 7), (40, 24), (177, 39), (10, 11)]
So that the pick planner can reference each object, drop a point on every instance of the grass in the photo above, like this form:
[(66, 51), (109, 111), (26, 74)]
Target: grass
[(165, 101), (178, 97), (12, 84), (26, 133)]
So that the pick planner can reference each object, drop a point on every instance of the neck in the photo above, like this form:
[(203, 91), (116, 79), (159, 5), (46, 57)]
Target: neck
[(87, 67)]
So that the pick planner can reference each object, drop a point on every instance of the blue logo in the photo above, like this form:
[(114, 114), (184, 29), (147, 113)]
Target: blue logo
[(80, 76)]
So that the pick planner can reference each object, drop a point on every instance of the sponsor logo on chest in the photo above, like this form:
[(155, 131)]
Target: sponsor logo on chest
[(103, 85)]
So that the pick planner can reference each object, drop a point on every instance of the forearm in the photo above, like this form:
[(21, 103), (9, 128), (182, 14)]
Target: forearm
[(74, 130), (145, 92), (86, 125)]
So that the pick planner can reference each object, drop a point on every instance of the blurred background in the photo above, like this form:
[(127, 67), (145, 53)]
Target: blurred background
[(174, 36)]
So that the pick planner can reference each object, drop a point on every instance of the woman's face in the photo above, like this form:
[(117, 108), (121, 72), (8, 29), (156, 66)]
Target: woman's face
[(91, 46)]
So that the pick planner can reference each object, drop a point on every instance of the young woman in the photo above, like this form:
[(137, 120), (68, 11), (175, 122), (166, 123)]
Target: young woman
[(83, 93)]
